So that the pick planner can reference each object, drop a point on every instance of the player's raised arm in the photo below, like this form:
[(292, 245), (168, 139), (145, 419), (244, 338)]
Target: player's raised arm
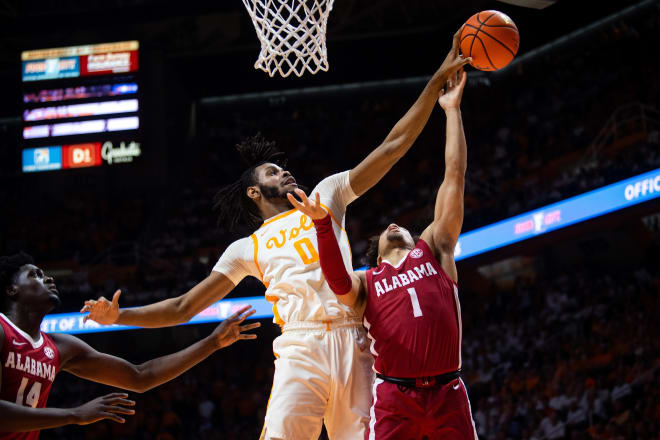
[(443, 233), (368, 172), (82, 360), (19, 418), (349, 287), (172, 311)]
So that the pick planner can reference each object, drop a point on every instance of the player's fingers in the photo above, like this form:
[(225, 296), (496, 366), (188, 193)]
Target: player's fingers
[(85, 319), (235, 316), (303, 197), (247, 336), (116, 395), (247, 327), (115, 297), (121, 401), (296, 204), (463, 78), (113, 417), (118, 410), (90, 302), (318, 199), (457, 38), (85, 309), (244, 317)]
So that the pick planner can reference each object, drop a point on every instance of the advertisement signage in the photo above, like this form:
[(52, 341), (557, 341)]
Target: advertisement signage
[(81, 110), (83, 127), (109, 63), (576, 209), (72, 323), (81, 155), (42, 159), (51, 68), (87, 49), (80, 92)]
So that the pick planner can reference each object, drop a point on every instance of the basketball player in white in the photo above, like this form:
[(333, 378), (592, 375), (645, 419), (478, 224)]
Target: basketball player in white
[(323, 368)]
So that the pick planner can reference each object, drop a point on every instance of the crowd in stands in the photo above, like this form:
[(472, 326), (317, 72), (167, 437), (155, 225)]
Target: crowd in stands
[(529, 143), (563, 354)]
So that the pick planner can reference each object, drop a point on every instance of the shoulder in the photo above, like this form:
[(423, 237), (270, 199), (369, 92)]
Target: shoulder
[(65, 342), (70, 347), (240, 247), (333, 182)]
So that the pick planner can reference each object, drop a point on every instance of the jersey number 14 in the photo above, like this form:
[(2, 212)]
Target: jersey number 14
[(32, 398)]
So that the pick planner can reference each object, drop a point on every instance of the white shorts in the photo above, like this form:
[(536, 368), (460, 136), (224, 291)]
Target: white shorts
[(323, 373)]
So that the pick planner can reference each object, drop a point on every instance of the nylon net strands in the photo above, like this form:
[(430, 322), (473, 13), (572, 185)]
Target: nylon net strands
[(292, 35)]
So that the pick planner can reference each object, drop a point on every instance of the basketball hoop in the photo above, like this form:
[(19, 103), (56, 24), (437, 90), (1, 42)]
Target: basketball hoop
[(292, 35)]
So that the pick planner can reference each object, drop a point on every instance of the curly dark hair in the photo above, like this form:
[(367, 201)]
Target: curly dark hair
[(234, 207), (9, 267)]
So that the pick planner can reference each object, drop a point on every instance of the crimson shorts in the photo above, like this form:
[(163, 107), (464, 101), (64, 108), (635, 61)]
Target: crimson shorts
[(402, 413)]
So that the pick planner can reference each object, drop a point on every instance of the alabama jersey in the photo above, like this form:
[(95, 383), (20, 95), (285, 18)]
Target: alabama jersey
[(413, 317), (28, 370), (283, 254)]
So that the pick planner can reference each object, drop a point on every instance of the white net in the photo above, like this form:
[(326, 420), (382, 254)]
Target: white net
[(292, 35)]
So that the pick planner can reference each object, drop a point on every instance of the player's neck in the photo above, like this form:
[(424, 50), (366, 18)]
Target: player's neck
[(395, 255), (27, 320), (273, 207)]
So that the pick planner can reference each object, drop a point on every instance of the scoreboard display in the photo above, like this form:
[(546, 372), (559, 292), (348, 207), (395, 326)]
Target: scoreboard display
[(81, 106)]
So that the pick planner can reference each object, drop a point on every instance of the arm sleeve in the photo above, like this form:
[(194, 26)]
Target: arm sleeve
[(332, 264), (336, 193), (233, 262)]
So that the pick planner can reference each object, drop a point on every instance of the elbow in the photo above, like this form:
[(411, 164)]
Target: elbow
[(397, 147), (141, 382), (184, 311)]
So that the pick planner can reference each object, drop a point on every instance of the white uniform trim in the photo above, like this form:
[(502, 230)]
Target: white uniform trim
[(35, 344), (372, 411), (474, 427)]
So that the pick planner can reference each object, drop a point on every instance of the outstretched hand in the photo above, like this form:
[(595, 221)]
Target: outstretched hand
[(454, 60), (101, 310), (451, 95), (231, 330), (104, 407), (313, 210)]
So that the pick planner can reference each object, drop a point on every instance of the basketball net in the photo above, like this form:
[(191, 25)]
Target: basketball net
[(292, 35)]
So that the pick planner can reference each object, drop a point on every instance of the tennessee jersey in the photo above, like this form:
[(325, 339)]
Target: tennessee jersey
[(283, 254), (28, 370), (413, 317)]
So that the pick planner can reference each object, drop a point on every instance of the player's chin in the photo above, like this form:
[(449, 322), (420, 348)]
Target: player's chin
[(54, 298)]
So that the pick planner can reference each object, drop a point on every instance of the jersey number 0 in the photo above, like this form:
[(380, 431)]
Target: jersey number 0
[(306, 250)]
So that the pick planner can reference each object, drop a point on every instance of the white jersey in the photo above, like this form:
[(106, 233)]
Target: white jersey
[(283, 254)]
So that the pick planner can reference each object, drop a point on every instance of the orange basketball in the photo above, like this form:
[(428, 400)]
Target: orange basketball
[(491, 38)]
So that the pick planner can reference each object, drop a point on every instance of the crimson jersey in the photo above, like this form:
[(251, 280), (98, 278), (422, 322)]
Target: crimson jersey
[(413, 317), (28, 370)]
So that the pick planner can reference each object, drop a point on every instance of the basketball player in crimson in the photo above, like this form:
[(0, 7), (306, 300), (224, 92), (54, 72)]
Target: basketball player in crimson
[(323, 370), (30, 359), (412, 313)]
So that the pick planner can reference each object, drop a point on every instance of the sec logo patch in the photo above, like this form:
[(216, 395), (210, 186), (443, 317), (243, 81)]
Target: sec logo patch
[(416, 253), (50, 354)]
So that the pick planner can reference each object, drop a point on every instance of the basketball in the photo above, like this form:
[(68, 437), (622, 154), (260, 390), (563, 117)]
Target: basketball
[(491, 38)]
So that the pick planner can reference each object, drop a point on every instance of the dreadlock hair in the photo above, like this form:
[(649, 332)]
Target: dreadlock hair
[(371, 254), (234, 207), (9, 267)]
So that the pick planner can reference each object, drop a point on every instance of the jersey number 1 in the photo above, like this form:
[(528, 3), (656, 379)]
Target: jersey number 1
[(417, 311), (32, 398)]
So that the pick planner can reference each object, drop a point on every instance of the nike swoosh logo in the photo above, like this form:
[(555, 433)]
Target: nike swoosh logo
[(18, 343), (456, 386)]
